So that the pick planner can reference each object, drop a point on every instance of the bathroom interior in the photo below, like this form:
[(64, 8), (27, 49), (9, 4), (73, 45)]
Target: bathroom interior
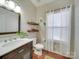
[(39, 29)]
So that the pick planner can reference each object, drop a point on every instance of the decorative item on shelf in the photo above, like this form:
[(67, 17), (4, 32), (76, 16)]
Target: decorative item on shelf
[(44, 24), (33, 30), (21, 34), (32, 23)]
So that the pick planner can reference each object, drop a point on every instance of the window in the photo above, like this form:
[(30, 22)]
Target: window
[(58, 24)]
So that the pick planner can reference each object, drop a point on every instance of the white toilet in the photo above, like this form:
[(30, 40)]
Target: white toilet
[(37, 47)]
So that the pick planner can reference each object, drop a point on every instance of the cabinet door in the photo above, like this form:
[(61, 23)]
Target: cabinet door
[(25, 52), (12, 55)]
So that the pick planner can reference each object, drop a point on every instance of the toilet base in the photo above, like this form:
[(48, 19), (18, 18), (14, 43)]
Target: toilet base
[(38, 52), (38, 49)]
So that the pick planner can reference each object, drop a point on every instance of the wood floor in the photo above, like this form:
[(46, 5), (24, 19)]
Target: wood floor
[(54, 55)]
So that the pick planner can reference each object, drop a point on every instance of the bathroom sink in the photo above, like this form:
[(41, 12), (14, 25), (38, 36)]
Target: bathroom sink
[(9, 44), (2, 43), (14, 43)]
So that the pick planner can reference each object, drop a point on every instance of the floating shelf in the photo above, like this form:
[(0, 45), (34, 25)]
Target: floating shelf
[(32, 23), (33, 30)]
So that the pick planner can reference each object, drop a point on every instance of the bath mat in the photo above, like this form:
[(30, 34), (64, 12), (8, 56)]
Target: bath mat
[(48, 57)]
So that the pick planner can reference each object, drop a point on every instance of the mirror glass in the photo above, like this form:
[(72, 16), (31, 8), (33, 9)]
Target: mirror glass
[(9, 21)]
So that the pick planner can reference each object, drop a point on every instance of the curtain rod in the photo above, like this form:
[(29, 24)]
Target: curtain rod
[(58, 9)]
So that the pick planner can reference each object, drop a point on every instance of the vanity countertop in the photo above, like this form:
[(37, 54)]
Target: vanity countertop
[(10, 46)]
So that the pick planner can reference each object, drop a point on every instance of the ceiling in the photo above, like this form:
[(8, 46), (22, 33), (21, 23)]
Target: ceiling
[(41, 2)]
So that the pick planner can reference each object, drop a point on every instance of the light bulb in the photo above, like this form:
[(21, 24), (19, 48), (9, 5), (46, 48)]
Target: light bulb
[(17, 9), (2, 2), (11, 4)]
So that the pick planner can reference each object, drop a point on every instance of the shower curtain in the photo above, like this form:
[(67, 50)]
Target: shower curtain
[(58, 28)]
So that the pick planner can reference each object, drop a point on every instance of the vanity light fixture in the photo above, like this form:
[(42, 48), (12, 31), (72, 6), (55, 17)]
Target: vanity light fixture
[(11, 4), (2, 2), (17, 9)]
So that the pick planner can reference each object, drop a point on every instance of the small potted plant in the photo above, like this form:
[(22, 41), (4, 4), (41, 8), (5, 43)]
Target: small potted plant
[(21, 34)]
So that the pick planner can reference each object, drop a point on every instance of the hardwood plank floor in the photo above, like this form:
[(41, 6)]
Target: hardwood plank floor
[(54, 55)]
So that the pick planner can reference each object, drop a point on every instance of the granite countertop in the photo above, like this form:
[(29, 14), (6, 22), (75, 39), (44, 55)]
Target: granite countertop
[(10, 46)]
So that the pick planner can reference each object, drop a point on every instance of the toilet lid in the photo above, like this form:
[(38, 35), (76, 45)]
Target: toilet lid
[(39, 46)]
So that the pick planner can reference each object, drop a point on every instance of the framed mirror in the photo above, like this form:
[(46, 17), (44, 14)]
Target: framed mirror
[(9, 21)]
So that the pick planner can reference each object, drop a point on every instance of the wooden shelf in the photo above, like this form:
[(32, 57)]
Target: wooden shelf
[(32, 23), (33, 30)]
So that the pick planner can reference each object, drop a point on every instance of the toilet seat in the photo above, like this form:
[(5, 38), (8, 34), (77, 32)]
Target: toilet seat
[(38, 46)]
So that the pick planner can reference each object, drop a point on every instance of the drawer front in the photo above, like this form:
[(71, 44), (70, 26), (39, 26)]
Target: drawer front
[(24, 48)]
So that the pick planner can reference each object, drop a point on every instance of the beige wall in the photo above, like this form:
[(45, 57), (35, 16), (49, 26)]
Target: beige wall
[(28, 11)]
